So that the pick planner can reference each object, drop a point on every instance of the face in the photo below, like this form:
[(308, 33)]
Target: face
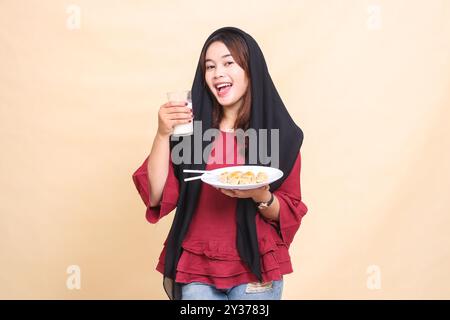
[(222, 68)]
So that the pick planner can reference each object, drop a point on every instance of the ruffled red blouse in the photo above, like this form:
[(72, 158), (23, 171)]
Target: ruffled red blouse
[(210, 253)]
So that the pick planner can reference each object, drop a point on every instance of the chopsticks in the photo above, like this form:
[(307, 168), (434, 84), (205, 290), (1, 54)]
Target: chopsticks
[(194, 171), (193, 178)]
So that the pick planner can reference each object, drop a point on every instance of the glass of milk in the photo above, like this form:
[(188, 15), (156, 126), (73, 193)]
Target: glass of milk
[(184, 129)]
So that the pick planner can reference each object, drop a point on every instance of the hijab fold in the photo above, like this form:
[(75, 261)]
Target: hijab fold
[(267, 112)]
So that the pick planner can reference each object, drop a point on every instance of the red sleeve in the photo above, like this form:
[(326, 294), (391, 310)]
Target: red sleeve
[(292, 209), (169, 197)]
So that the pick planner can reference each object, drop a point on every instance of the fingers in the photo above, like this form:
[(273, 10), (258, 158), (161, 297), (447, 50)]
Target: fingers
[(176, 112), (170, 110), (235, 193), (227, 192), (180, 116), (174, 107), (175, 122), (175, 104)]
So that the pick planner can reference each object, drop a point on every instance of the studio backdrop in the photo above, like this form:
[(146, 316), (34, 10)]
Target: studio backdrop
[(81, 82)]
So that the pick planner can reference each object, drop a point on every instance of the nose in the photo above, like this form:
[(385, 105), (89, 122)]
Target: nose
[(218, 72)]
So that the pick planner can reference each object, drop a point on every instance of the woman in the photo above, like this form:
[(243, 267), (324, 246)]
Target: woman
[(226, 244)]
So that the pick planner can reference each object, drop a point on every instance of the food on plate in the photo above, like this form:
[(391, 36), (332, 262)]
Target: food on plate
[(233, 177), (247, 178), (261, 177), (223, 177), (239, 177)]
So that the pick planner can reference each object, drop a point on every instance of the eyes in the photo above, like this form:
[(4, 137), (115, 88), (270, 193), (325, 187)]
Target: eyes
[(226, 64)]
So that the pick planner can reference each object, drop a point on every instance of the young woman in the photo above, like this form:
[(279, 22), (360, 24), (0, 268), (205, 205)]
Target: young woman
[(226, 244)]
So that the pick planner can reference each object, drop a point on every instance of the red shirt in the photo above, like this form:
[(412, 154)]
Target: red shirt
[(210, 253)]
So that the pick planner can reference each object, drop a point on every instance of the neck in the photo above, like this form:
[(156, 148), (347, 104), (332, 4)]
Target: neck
[(228, 122), (229, 116)]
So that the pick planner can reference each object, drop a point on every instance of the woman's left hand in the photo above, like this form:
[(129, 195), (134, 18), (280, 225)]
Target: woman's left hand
[(258, 194)]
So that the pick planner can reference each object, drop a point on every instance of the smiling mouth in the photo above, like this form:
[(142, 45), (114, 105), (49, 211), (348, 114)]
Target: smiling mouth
[(223, 90)]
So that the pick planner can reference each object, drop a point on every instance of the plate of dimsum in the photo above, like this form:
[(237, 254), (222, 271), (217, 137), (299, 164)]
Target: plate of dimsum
[(241, 177)]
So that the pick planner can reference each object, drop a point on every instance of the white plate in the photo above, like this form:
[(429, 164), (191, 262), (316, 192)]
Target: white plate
[(212, 177)]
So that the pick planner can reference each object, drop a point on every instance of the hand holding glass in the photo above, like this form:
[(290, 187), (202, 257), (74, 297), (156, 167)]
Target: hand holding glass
[(184, 129)]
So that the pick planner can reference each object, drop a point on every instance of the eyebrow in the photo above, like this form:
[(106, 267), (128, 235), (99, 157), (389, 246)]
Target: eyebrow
[(227, 55)]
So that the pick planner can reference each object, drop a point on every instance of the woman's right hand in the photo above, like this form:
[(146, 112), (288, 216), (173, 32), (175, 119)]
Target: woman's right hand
[(172, 113)]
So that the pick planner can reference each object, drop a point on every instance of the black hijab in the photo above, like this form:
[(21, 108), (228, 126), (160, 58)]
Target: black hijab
[(267, 112)]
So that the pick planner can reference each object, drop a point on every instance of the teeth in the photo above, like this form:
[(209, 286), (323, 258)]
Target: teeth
[(223, 85)]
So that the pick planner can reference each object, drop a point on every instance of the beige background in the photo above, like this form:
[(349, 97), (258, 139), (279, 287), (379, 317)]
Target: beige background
[(78, 111)]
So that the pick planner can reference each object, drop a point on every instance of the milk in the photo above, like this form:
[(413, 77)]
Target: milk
[(184, 129)]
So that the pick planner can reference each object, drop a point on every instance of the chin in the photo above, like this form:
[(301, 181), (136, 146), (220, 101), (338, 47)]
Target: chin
[(227, 102)]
